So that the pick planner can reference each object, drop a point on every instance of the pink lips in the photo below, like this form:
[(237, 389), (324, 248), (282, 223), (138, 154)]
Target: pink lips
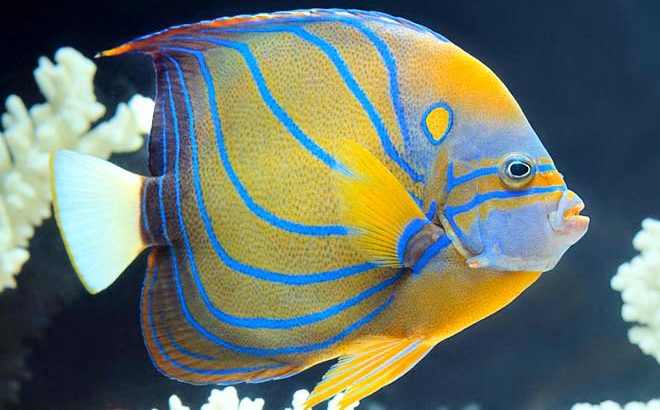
[(567, 219)]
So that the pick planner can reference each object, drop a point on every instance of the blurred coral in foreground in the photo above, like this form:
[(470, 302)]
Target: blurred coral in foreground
[(639, 284), (63, 121), (610, 405), (227, 399)]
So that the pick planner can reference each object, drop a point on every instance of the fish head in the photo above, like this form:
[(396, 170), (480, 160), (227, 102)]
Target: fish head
[(499, 195), (507, 207)]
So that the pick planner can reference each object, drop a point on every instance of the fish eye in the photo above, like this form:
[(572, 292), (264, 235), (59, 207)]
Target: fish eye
[(517, 171)]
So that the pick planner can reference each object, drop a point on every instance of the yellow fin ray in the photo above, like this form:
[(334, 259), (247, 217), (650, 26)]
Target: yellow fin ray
[(376, 204), (376, 363)]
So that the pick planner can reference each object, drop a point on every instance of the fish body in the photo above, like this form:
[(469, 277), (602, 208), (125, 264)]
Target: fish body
[(324, 183)]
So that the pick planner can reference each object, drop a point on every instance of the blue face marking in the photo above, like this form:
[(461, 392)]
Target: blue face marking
[(437, 140), (453, 181)]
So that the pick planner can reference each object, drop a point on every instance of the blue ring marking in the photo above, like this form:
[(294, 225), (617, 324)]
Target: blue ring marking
[(268, 323), (258, 210), (433, 208), (258, 273), (432, 250), (450, 122), (145, 219), (479, 199), (163, 352), (453, 182), (344, 72), (244, 50), (408, 232)]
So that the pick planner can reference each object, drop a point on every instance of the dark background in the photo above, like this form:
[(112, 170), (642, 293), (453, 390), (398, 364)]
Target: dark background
[(587, 74)]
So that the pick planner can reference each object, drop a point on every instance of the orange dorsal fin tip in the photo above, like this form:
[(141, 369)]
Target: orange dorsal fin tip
[(371, 365), (150, 43)]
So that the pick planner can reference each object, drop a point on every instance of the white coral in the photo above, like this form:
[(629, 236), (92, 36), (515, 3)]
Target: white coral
[(610, 405), (227, 399), (639, 284), (63, 121)]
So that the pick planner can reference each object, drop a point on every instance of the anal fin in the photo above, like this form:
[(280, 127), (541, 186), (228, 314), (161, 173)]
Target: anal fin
[(182, 351), (373, 364)]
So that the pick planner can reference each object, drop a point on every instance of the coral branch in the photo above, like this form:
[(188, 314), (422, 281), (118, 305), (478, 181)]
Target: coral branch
[(63, 121), (639, 284)]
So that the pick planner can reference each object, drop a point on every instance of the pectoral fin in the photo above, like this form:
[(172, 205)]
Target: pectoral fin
[(373, 364), (383, 213)]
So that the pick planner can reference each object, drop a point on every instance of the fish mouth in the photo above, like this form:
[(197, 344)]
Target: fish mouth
[(567, 220)]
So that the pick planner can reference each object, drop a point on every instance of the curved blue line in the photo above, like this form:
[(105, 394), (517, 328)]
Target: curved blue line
[(164, 139), (479, 199), (453, 182), (345, 73), (433, 208), (163, 352), (409, 231), (432, 250), (258, 210), (268, 323), (163, 223), (244, 50), (450, 122), (258, 273), (145, 219)]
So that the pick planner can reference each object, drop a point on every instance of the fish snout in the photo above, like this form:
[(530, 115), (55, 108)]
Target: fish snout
[(567, 219)]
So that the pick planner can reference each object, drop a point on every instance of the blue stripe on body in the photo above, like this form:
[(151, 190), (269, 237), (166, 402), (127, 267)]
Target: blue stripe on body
[(310, 145), (430, 252), (268, 323), (178, 348), (252, 271), (409, 231), (145, 219), (345, 73), (241, 349), (163, 223), (164, 139), (259, 211)]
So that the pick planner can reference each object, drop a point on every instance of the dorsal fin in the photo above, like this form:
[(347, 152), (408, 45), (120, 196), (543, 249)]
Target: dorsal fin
[(150, 44)]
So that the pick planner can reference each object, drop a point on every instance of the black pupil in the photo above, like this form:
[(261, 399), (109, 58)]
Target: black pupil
[(519, 169)]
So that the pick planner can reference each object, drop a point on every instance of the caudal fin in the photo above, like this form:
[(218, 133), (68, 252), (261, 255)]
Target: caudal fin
[(97, 208)]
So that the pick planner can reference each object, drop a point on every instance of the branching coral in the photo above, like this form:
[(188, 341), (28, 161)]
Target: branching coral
[(639, 284), (63, 121), (227, 399), (610, 405)]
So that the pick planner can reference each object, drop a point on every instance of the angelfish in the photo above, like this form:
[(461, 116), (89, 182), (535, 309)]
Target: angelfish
[(324, 184)]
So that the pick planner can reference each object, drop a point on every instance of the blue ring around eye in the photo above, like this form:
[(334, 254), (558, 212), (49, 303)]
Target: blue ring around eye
[(450, 122)]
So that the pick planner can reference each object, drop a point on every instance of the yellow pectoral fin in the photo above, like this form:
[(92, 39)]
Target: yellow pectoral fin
[(374, 202), (373, 364)]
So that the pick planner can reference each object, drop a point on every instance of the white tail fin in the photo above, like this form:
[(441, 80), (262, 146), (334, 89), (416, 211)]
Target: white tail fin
[(97, 207)]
